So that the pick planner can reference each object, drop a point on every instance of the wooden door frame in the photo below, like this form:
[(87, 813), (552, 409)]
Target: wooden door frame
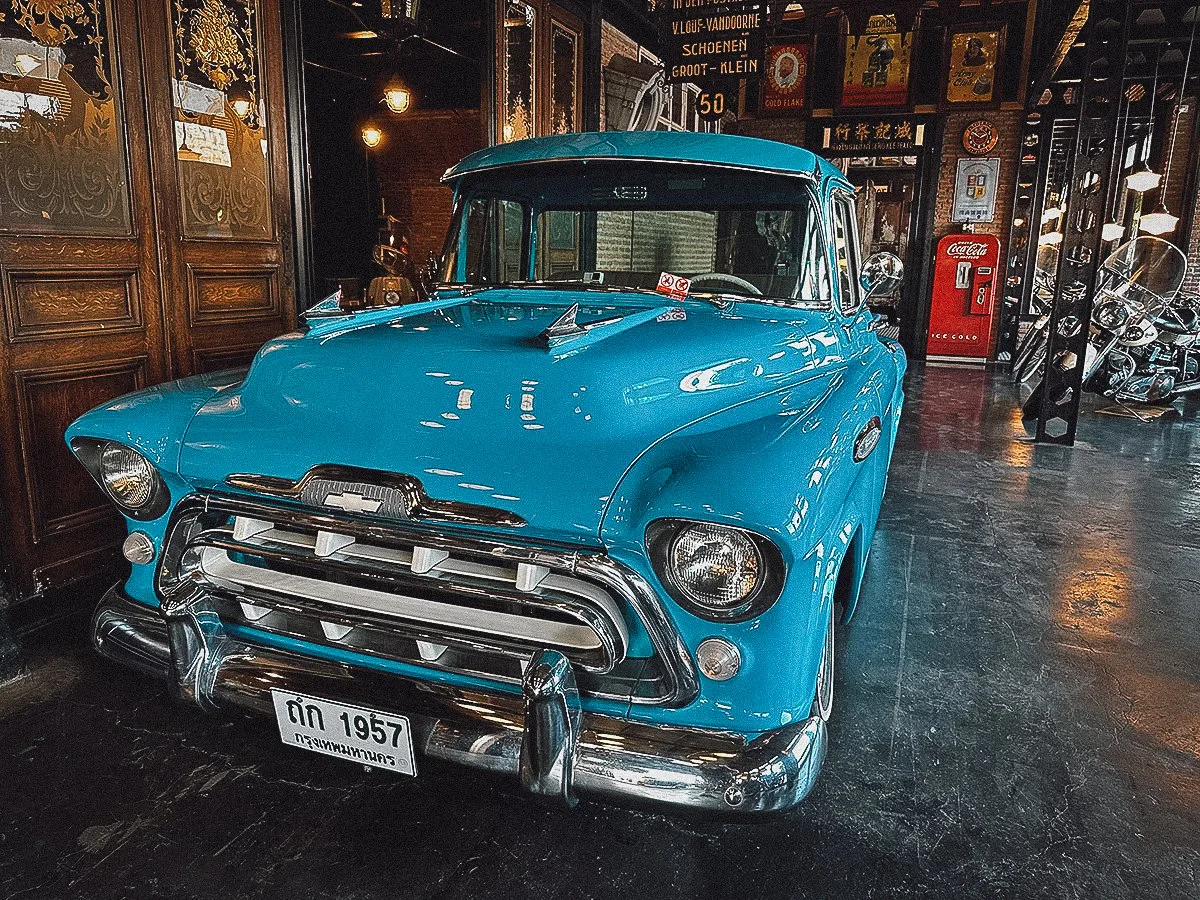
[(296, 125)]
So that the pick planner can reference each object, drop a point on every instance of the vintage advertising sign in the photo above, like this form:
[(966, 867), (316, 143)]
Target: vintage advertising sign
[(975, 186), (972, 75), (877, 65), (891, 134), (785, 80), (965, 281), (705, 41), (980, 137)]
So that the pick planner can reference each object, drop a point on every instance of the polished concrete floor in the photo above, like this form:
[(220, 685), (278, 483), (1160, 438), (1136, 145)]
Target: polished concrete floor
[(1018, 715)]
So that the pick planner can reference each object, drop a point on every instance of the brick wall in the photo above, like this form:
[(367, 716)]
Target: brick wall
[(1176, 202), (418, 148), (612, 42), (1008, 126), (784, 130)]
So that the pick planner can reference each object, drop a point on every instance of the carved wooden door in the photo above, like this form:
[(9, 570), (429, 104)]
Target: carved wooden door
[(144, 228), (224, 202)]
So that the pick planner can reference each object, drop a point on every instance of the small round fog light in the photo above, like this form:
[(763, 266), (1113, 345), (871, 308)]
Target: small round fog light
[(719, 660), (138, 548)]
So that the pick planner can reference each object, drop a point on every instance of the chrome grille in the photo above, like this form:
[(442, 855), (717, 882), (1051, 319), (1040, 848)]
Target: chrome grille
[(453, 602)]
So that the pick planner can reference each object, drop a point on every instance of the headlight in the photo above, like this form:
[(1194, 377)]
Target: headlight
[(128, 478), (715, 571), (126, 475)]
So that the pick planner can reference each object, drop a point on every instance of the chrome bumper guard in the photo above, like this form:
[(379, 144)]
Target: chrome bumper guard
[(543, 736)]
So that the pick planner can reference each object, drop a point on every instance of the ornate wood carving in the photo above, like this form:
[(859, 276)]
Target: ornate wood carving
[(220, 123), (224, 295), (60, 494), (62, 159), (54, 304)]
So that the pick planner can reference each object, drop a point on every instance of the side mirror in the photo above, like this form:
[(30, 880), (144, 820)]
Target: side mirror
[(882, 273)]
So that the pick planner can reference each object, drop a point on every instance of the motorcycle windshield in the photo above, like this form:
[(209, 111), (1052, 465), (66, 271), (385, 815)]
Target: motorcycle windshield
[(1145, 272)]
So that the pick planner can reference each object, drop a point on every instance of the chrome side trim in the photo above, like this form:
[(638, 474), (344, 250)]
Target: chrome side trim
[(399, 496), (613, 757)]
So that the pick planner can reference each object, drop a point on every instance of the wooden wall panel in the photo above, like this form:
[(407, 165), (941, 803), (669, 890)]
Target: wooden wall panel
[(60, 494), (63, 303), (216, 296), (214, 359)]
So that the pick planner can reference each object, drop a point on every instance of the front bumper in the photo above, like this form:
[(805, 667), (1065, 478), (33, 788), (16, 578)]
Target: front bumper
[(542, 735)]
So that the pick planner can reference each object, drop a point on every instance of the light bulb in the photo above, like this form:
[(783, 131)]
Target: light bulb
[(372, 136)]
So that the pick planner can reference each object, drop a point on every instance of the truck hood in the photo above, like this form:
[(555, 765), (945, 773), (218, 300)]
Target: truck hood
[(465, 394)]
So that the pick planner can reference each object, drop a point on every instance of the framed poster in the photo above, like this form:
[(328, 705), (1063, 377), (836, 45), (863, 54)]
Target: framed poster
[(971, 68), (877, 65), (785, 81), (975, 185)]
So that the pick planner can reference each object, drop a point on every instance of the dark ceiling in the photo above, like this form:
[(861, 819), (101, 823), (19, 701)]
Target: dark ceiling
[(441, 62)]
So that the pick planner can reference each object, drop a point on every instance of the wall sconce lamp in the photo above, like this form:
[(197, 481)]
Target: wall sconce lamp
[(372, 135), (396, 95)]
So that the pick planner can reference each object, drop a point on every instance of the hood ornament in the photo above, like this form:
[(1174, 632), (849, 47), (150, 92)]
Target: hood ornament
[(565, 329)]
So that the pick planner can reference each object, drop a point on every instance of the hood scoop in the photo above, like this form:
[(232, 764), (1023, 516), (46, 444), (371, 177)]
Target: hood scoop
[(567, 333)]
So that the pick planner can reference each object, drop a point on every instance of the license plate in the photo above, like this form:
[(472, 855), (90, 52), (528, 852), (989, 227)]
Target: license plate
[(354, 733)]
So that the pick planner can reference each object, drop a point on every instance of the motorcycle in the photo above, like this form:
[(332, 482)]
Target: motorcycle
[(1144, 338), (1144, 332)]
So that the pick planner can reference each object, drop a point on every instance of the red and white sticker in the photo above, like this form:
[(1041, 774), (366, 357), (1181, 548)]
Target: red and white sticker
[(674, 286)]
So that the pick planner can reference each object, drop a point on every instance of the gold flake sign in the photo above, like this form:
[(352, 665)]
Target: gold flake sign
[(972, 75)]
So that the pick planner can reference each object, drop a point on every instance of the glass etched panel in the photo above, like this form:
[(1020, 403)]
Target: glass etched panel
[(518, 76), (62, 157), (564, 46), (220, 120)]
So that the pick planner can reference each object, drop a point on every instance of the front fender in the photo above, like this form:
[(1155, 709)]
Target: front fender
[(153, 421), (781, 465)]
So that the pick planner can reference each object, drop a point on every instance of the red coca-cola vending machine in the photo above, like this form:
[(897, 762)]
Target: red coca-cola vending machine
[(966, 277)]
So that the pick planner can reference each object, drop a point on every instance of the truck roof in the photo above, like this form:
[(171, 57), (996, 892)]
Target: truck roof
[(725, 150)]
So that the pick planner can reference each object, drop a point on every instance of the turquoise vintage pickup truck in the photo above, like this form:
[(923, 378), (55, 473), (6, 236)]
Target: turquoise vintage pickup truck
[(586, 514)]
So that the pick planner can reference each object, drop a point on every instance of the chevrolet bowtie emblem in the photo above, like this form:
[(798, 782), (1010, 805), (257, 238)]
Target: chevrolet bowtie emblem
[(353, 501)]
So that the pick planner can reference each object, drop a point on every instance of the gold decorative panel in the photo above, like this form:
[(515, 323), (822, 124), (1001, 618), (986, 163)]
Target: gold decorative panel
[(62, 157), (220, 120)]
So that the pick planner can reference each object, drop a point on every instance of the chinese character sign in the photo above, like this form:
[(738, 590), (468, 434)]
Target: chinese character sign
[(877, 64), (786, 77), (873, 135), (972, 76)]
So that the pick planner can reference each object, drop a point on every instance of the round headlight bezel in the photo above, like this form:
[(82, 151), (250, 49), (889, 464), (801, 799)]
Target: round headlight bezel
[(663, 535), (127, 476), (91, 452)]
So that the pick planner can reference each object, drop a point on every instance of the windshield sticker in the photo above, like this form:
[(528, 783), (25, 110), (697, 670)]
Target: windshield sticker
[(593, 278), (674, 286), (675, 314)]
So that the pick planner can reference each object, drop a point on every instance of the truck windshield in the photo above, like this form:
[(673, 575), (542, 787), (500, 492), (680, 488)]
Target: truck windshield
[(758, 251)]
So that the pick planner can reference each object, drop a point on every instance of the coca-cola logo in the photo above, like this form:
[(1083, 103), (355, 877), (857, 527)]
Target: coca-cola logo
[(967, 250)]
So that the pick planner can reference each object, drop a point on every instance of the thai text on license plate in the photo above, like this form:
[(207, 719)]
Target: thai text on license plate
[(354, 733)]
